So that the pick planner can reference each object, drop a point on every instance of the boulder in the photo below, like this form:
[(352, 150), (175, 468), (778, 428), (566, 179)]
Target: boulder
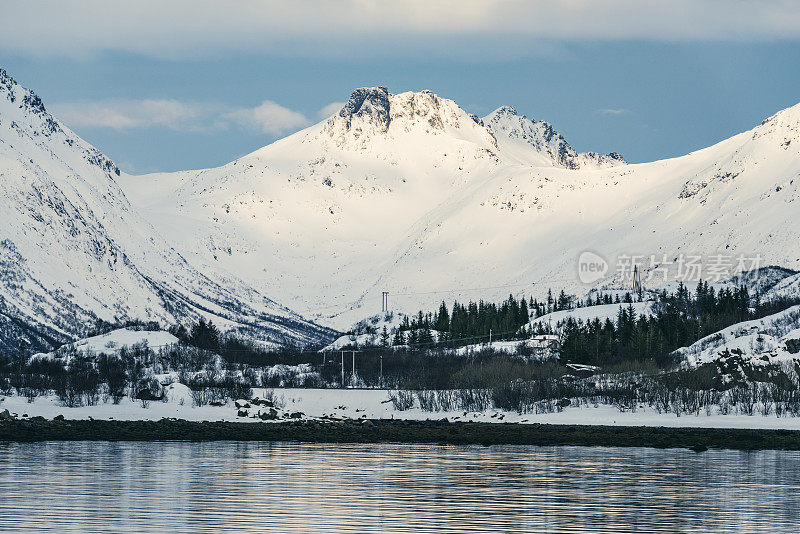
[(269, 416)]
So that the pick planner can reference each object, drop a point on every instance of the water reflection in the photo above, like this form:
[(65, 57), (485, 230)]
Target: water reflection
[(282, 487)]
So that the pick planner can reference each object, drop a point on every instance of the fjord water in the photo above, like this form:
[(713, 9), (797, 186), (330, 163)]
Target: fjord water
[(287, 487)]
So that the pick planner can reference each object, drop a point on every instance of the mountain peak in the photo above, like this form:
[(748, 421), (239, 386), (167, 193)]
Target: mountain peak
[(372, 113), (30, 100), (505, 110), (30, 120), (368, 102), (537, 142), (365, 99)]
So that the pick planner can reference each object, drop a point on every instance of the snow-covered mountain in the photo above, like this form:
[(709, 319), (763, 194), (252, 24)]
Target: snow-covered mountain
[(73, 249), (410, 194), (536, 143)]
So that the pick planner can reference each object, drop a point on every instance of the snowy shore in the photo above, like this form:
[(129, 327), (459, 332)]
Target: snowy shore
[(373, 404)]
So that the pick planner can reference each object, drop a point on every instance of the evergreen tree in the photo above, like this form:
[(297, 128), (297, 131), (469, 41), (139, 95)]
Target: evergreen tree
[(384, 337), (399, 338), (442, 319), (205, 336)]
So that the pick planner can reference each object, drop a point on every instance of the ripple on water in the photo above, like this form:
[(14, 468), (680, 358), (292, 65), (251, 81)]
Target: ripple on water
[(224, 487)]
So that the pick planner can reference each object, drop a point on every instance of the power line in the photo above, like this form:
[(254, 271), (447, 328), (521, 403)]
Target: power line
[(385, 294), (468, 289)]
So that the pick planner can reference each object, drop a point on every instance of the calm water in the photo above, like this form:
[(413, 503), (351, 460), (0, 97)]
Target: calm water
[(269, 487)]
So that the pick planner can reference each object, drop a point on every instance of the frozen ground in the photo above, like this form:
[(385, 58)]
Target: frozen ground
[(374, 404)]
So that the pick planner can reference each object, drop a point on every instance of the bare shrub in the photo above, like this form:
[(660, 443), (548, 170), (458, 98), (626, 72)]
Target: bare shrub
[(402, 400)]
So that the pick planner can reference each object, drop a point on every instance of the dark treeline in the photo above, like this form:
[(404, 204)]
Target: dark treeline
[(747, 389), (218, 367), (474, 322), (433, 369), (681, 318), (237, 351), (465, 322)]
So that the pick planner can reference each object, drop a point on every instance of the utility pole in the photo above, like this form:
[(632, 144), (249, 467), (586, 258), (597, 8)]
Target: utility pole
[(637, 280), (342, 369), (380, 380)]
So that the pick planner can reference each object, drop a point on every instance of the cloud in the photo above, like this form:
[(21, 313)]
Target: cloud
[(359, 28), (268, 118), (124, 114), (330, 109), (120, 114), (614, 111)]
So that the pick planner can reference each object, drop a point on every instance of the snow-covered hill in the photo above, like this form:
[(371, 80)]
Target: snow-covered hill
[(73, 249), (410, 194), (772, 339)]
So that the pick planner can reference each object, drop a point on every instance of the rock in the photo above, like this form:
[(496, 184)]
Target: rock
[(296, 415), (241, 403), (242, 413), (370, 104), (269, 416), (59, 417), (5, 415)]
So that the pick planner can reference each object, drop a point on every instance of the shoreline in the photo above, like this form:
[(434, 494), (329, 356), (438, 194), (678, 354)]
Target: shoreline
[(355, 404), (401, 431)]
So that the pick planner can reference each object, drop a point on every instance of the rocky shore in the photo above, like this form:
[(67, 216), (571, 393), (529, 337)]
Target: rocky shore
[(395, 431)]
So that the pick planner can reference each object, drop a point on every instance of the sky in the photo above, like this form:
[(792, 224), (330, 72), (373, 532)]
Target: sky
[(193, 84)]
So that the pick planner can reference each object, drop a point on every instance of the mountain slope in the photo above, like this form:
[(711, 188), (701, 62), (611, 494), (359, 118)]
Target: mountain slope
[(73, 249), (410, 194)]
